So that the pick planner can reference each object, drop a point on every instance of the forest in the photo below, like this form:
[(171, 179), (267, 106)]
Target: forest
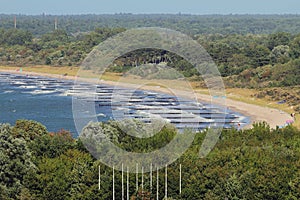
[(259, 49), (258, 163), (264, 60), (186, 23)]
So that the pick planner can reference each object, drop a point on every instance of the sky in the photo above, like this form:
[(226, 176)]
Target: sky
[(36, 7)]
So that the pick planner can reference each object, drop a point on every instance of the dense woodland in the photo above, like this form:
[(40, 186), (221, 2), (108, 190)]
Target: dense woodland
[(189, 24), (267, 56), (258, 163)]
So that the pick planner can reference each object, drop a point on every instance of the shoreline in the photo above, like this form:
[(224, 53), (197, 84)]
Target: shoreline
[(274, 117)]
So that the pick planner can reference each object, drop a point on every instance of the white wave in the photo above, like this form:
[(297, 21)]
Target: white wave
[(101, 115), (63, 94), (8, 91), (28, 86), (18, 83), (34, 92)]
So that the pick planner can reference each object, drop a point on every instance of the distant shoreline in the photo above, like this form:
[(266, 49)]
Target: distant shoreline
[(273, 117)]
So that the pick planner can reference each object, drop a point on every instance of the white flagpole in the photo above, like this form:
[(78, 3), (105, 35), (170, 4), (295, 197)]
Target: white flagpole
[(99, 182), (122, 182), (127, 195), (166, 182), (157, 184), (150, 179), (137, 177), (142, 181), (113, 182), (180, 179)]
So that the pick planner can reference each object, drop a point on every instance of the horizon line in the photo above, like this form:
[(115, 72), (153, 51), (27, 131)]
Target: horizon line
[(179, 14)]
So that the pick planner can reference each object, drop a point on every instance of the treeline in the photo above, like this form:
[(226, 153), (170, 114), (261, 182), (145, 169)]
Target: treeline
[(258, 163), (189, 24), (250, 60), (255, 60), (56, 48)]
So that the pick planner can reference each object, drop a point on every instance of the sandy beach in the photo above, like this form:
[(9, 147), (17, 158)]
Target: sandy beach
[(273, 117)]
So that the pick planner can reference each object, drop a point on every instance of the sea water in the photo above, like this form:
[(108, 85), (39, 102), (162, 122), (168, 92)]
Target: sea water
[(49, 101), (30, 98)]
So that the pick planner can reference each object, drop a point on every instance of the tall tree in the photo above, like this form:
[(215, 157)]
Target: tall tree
[(15, 161)]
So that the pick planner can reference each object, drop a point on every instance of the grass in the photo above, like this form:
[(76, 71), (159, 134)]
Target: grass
[(71, 71), (238, 94)]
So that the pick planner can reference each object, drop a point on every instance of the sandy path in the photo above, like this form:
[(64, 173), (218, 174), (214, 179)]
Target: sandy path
[(273, 117)]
